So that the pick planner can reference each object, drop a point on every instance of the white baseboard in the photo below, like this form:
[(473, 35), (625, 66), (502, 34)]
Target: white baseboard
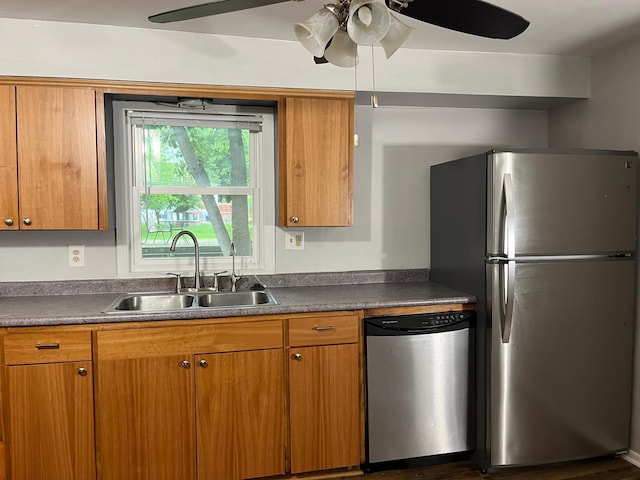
[(632, 457)]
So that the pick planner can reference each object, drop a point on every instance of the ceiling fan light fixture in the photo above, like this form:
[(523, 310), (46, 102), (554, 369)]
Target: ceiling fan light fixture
[(373, 25), (315, 33), (396, 35), (342, 51)]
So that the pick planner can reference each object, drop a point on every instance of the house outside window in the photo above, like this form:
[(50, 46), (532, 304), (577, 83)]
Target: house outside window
[(208, 170)]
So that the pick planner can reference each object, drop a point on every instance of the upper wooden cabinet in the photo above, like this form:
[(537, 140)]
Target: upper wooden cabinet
[(52, 158), (316, 162)]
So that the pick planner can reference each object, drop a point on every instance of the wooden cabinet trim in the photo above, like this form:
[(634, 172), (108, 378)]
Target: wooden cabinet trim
[(46, 347), (101, 151), (181, 89), (386, 311), (187, 340), (8, 160)]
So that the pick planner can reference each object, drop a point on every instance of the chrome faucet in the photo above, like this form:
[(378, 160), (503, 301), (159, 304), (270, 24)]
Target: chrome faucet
[(197, 253), (234, 276)]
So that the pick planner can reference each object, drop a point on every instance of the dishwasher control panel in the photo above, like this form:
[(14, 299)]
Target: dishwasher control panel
[(421, 322)]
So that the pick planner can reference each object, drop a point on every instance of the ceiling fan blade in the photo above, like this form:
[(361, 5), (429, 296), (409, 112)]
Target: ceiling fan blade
[(468, 16), (207, 9)]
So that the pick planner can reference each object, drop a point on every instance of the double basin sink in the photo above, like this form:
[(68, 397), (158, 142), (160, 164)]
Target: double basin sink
[(166, 302)]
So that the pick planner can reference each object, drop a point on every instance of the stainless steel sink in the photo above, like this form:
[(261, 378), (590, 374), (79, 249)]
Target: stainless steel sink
[(153, 302), (235, 299), (166, 302)]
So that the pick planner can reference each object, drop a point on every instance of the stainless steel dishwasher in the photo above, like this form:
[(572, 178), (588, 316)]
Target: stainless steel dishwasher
[(419, 388)]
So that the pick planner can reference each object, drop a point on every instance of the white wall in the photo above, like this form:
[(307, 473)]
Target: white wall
[(391, 165), (104, 52), (391, 204), (391, 197), (609, 119)]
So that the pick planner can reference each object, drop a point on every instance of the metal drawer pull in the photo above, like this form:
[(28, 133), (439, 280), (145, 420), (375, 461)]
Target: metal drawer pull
[(48, 346), (82, 372), (324, 329)]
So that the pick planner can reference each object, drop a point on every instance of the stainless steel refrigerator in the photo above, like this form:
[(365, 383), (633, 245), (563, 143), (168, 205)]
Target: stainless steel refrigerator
[(546, 240)]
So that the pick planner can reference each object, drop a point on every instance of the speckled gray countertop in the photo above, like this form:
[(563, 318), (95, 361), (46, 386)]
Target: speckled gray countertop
[(68, 303)]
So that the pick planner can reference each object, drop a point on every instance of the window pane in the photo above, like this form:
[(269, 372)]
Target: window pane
[(215, 220), (187, 156)]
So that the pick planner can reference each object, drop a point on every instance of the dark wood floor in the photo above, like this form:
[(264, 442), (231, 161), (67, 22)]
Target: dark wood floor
[(598, 469)]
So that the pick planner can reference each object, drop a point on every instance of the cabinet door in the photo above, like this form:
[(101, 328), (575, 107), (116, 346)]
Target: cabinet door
[(57, 154), (316, 170), (51, 421), (8, 160), (324, 407), (240, 415), (145, 419)]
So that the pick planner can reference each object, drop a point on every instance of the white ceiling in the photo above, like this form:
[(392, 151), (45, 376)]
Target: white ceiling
[(558, 27)]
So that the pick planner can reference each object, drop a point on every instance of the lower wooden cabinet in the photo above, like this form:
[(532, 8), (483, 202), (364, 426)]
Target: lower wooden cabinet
[(166, 410), (240, 414), (324, 388), (218, 400), (325, 392), (50, 427), (48, 415), (145, 419)]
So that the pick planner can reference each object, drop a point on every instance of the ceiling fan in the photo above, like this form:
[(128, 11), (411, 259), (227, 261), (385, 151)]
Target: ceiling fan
[(335, 31)]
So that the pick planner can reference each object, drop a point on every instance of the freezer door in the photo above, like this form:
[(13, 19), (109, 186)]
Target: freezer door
[(561, 204), (560, 387)]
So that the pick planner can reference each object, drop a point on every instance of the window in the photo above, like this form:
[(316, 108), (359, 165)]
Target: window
[(208, 170)]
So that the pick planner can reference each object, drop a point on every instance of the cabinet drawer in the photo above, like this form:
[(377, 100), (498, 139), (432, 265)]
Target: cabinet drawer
[(46, 347), (323, 330)]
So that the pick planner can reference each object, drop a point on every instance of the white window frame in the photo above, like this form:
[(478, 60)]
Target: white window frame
[(128, 237)]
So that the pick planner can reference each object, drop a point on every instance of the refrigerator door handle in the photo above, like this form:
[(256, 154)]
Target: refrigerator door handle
[(507, 292), (508, 276), (508, 219)]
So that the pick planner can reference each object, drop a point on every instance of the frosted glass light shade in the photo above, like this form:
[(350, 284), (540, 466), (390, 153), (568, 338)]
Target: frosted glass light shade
[(396, 35), (373, 25), (315, 33), (343, 51)]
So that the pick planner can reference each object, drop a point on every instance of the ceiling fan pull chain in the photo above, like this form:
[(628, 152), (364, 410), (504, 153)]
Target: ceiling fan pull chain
[(374, 97), (356, 137)]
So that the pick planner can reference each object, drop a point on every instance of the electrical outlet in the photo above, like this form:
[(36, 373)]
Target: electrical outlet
[(294, 240), (75, 255)]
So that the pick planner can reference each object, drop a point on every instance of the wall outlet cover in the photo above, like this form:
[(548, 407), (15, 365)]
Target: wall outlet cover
[(75, 255), (294, 240)]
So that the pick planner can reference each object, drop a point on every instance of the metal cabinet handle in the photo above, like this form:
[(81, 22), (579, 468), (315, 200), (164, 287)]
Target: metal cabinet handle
[(203, 363), (26, 221), (82, 372), (297, 356), (47, 346), (324, 329), (8, 222), (185, 364), (294, 219)]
